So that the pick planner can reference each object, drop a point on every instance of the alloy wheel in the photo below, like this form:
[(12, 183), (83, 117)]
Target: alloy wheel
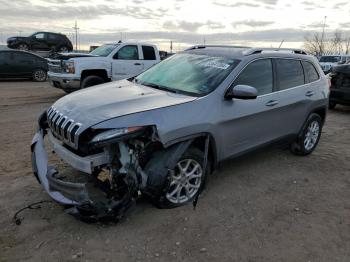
[(311, 136), (39, 75), (185, 181)]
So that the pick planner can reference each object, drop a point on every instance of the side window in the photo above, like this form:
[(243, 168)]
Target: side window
[(52, 37), (148, 53), (128, 52), (311, 74), (39, 36), (258, 74), (289, 73)]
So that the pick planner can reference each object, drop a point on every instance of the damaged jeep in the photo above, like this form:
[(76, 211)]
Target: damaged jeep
[(162, 132), (340, 86)]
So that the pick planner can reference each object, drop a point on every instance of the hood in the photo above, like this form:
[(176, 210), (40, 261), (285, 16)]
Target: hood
[(99, 103), (66, 56), (16, 38)]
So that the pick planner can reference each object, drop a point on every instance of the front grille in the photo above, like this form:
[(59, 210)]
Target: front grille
[(55, 66), (63, 128)]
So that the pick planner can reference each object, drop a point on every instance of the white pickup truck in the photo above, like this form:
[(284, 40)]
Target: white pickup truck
[(108, 62)]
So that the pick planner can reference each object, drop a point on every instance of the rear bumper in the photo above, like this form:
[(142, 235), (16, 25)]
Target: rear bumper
[(340, 96), (64, 81)]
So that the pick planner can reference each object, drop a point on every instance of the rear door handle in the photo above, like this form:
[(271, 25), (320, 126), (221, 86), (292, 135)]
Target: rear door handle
[(137, 64), (310, 93), (272, 103)]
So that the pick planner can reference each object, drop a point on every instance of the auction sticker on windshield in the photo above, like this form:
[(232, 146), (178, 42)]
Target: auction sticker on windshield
[(218, 65)]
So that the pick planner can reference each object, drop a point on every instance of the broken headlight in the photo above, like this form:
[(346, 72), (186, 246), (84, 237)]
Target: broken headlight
[(69, 67), (114, 134)]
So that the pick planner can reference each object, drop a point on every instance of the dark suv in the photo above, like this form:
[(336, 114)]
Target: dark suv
[(41, 41)]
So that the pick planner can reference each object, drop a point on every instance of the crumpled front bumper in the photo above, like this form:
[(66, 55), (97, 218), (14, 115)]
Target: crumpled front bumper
[(66, 193), (85, 206)]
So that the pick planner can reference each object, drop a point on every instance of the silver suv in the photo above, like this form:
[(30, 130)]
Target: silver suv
[(161, 133)]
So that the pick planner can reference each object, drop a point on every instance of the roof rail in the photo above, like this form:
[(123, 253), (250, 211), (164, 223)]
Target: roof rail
[(253, 51), (224, 46)]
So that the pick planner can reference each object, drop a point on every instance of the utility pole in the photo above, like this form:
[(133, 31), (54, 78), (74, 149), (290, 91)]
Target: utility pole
[(171, 47), (76, 28), (322, 37), (204, 40)]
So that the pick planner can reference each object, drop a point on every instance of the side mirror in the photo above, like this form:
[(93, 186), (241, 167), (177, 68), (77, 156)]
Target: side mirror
[(241, 92)]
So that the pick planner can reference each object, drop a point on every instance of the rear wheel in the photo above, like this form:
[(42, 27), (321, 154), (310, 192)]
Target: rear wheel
[(39, 75), (185, 181), (308, 137), (23, 47), (92, 81), (63, 49)]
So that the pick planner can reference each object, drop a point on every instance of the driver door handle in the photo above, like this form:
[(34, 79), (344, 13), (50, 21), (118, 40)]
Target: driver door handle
[(310, 93), (272, 103), (137, 64)]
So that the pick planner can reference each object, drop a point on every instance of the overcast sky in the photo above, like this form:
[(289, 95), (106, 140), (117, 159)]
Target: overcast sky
[(185, 22)]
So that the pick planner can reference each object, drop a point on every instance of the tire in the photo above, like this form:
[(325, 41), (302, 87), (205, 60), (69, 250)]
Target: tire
[(189, 160), (23, 47), (308, 137), (39, 75), (62, 49), (331, 105), (91, 81)]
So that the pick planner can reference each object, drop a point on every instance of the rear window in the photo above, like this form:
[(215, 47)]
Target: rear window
[(311, 74), (148, 53), (289, 73)]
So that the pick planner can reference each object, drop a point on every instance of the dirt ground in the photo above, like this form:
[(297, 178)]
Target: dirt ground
[(266, 206)]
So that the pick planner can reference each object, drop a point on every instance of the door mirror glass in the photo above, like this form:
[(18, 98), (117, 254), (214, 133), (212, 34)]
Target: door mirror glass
[(241, 92)]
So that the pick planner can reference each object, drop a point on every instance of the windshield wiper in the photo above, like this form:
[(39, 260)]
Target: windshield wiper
[(164, 88)]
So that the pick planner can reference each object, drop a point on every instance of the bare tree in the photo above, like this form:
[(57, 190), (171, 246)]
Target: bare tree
[(314, 44), (336, 44)]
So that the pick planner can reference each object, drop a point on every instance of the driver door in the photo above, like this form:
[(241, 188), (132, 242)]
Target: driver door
[(39, 42), (126, 63), (247, 124)]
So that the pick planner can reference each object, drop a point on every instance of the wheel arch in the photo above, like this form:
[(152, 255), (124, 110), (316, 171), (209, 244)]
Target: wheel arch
[(95, 72), (198, 141)]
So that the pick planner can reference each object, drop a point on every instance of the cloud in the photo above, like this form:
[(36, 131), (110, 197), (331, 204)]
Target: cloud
[(83, 12), (340, 5), (345, 25), (311, 5), (317, 25), (252, 23), (238, 4)]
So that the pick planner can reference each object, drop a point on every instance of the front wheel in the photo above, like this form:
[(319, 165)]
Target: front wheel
[(23, 47), (92, 81), (308, 137), (39, 75), (185, 181)]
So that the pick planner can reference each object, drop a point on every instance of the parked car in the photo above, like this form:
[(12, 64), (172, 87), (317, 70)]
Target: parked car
[(41, 41), (106, 63), (340, 86), (328, 61), (161, 133), (21, 64)]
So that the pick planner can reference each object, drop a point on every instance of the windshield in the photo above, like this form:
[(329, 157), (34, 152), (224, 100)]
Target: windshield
[(104, 50), (188, 73), (330, 59)]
